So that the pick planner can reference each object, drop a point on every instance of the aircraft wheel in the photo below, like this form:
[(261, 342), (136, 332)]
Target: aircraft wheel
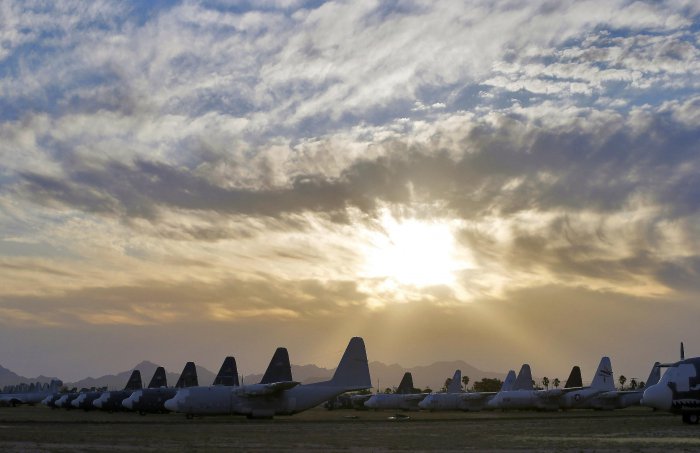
[(693, 419)]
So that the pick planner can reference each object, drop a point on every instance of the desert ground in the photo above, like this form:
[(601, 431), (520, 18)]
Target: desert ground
[(635, 429)]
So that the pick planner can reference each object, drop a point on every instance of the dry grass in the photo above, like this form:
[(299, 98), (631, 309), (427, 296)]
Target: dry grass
[(638, 429)]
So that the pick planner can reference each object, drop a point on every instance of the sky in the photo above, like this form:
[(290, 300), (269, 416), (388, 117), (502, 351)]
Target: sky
[(495, 182)]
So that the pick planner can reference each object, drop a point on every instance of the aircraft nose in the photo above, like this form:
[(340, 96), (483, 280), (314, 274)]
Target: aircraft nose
[(658, 396), (76, 402), (98, 402), (371, 403), (128, 403)]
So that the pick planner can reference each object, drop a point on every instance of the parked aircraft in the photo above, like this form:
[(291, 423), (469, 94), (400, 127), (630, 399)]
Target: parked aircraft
[(66, 399), (30, 394), (457, 400), (678, 391), (603, 381), (152, 399), (523, 396), (85, 399), (619, 399), (403, 399), (112, 401), (286, 397)]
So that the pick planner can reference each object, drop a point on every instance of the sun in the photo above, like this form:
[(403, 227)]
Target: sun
[(413, 252)]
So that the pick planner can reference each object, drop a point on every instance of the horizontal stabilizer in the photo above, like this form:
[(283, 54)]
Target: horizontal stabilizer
[(159, 379), (265, 389)]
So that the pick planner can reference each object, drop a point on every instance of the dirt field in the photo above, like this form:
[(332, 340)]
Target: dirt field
[(638, 429)]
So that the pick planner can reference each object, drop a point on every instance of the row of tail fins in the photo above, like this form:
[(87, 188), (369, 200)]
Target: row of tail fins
[(279, 370)]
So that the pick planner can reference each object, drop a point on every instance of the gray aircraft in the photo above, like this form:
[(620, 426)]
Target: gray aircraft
[(85, 399), (152, 399), (112, 401), (455, 399), (405, 398), (29, 394), (678, 391), (619, 399), (603, 381), (285, 397), (525, 396)]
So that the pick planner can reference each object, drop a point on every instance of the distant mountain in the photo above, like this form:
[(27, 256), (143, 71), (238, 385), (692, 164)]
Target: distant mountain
[(384, 375), (8, 377), (147, 369)]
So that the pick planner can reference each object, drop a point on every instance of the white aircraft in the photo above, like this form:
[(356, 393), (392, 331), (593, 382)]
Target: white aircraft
[(287, 397), (620, 399), (603, 381), (35, 393), (455, 399), (403, 399), (523, 396)]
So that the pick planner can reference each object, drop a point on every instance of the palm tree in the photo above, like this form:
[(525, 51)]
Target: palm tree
[(448, 381), (633, 384), (465, 381), (545, 382), (622, 380), (556, 382)]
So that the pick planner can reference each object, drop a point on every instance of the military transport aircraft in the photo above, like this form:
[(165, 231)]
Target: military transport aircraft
[(285, 397), (455, 399), (112, 401), (603, 381), (620, 399), (152, 399), (30, 394), (678, 391), (528, 397), (405, 398)]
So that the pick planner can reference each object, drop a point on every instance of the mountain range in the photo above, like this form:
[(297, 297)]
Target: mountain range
[(383, 375)]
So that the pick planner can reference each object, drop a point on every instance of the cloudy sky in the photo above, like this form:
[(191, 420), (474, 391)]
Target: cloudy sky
[(497, 182)]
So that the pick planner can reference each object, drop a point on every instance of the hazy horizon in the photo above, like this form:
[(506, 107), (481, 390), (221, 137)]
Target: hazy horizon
[(493, 182)]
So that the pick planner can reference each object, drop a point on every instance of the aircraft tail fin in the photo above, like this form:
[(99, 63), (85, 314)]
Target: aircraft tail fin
[(159, 379), (279, 369), (188, 378), (134, 382), (524, 379), (353, 369), (574, 379), (654, 376), (508, 382), (456, 383), (603, 378), (406, 385), (228, 374)]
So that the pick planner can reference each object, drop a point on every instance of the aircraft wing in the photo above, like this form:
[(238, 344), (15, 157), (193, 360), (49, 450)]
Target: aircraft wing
[(272, 388)]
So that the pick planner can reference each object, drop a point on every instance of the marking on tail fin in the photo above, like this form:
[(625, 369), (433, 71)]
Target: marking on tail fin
[(159, 379), (603, 378), (574, 380), (279, 369), (228, 373), (188, 377), (524, 379)]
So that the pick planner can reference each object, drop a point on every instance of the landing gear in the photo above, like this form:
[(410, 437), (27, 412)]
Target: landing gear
[(692, 418)]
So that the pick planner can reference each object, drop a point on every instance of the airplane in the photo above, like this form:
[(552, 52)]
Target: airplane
[(524, 396), (404, 398), (151, 400), (603, 382), (34, 394), (112, 401), (285, 397), (279, 370), (678, 391), (455, 399), (620, 399), (85, 399), (65, 400)]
